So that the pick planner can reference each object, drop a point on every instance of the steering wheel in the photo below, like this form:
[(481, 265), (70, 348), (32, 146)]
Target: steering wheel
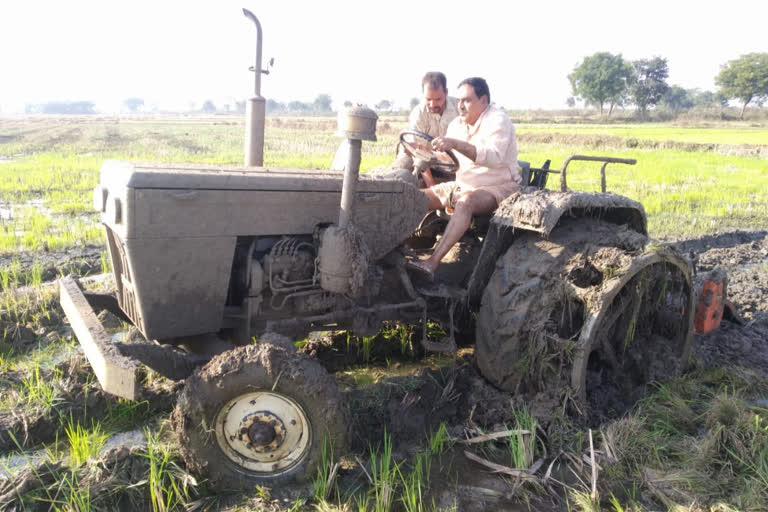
[(421, 151)]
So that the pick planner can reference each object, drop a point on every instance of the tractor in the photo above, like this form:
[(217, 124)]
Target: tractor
[(563, 289)]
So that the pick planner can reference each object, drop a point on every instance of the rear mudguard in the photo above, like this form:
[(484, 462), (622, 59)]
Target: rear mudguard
[(540, 211)]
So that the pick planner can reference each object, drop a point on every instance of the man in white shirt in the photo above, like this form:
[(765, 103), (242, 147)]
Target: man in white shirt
[(433, 114), (483, 140), (436, 111)]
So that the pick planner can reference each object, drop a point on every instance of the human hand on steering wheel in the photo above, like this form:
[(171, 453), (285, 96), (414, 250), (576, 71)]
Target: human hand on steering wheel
[(424, 155)]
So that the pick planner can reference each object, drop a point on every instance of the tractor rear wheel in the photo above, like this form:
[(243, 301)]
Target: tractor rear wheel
[(594, 308), (259, 415)]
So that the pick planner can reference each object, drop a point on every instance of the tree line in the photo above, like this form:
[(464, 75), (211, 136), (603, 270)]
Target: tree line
[(606, 79), (600, 80)]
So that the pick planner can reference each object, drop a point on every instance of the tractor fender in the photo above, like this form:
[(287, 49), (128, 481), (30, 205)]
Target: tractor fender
[(540, 211)]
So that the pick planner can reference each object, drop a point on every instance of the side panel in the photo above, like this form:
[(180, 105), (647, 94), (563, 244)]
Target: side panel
[(172, 230), (385, 219), (179, 285)]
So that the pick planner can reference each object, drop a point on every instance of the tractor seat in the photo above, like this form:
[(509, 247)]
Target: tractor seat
[(533, 177)]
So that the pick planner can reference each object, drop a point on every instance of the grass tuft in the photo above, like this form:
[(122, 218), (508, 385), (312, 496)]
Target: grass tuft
[(84, 444)]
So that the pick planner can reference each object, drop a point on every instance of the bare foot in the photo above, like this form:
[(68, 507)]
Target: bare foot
[(421, 268)]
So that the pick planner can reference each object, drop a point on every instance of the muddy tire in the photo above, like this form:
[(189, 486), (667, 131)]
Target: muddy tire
[(593, 308), (258, 415)]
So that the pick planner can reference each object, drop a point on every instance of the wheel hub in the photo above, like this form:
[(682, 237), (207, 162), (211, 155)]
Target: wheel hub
[(264, 432)]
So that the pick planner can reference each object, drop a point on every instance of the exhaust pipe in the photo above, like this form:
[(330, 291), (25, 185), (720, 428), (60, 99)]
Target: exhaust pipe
[(342, 255), (255, 110), (356, 124)]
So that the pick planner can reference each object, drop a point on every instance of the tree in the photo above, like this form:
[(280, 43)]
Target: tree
[(133, 104), (298, 106), (322, 103), (347, 104), (274, 106), (648, 83), (384, 105), (677, 98), (571, 101), (601, 78), (745, 78), (414, 102), (709, 99), (208, 106), (62, 107)]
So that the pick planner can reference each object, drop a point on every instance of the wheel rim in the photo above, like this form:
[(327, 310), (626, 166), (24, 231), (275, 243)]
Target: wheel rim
[(610, 332), (263, 432)]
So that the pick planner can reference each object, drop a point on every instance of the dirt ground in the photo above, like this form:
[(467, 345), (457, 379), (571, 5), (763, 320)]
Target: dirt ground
[(407, 402), (745, 257)]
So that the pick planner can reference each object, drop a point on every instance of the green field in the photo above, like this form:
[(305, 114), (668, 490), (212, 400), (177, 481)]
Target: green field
[(700, 438), (735, 135), (48, 168)]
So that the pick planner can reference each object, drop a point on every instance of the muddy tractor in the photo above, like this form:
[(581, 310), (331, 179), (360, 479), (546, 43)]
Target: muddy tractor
[(221, 268)]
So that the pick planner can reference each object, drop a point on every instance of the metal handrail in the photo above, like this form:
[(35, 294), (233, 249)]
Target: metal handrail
[(605, 159)]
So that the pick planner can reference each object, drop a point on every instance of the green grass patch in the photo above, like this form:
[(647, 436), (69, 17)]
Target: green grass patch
[(683, 193), (84, 444), (50, 168), (736, 135), (701, 437)]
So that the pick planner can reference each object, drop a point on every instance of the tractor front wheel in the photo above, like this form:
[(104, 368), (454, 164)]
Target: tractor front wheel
[(259, 415)]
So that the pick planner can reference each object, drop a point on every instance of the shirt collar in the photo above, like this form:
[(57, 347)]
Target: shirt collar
[(472, 128)]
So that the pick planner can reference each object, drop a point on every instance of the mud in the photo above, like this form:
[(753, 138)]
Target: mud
[(118, 469), (257, 367), (744, 255), (406, 210), (79, 398), (82, 261), (540, 210), (343, 260), (412, 405)]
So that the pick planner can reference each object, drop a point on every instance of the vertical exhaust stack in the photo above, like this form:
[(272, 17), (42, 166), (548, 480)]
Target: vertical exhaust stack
[(255, 110), (343, 254), (356, 124)]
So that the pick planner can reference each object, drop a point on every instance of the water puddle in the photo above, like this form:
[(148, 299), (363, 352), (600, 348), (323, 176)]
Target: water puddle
[(6, 211), (11, 465), (11, 211), (129, 439), (750, 266), (14, 464)]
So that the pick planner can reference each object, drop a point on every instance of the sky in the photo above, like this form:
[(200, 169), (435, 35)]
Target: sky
[(176, 55)]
